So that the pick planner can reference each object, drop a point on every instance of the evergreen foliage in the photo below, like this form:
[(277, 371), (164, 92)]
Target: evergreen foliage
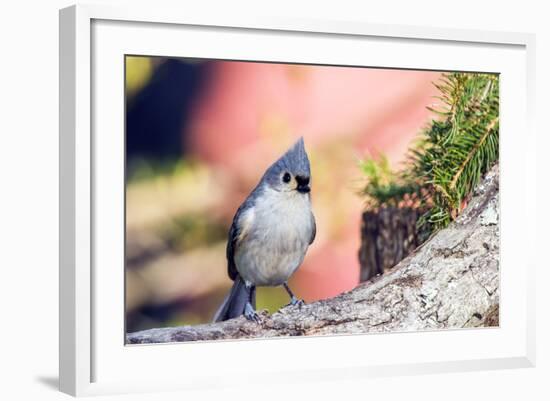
[(460, 144), (384, 186)]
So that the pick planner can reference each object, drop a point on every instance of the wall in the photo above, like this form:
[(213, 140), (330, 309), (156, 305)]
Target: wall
[(28, 201)]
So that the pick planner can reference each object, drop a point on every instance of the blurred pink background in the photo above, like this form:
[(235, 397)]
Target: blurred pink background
[(251, 111), (220, 125)]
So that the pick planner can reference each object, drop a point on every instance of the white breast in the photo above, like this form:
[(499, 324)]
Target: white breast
[(277, 240)]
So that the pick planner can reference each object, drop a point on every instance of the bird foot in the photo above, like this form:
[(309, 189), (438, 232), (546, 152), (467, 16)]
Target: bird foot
[(296, 302), (251, 314)]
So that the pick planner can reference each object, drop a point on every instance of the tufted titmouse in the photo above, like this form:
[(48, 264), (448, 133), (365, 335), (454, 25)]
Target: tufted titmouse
[(270, 234)]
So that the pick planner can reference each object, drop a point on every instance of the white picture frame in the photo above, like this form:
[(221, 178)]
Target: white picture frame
[(92, 41)]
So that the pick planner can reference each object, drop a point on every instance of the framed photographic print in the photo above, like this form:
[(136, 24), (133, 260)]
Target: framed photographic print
[(234, 187)]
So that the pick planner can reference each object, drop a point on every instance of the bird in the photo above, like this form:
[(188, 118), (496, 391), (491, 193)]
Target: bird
[(270, 234)]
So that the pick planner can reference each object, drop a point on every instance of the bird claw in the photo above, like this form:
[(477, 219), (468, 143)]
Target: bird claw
[(296, 302), (251, 314)]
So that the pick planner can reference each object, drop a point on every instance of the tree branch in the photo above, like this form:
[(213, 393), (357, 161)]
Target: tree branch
[(451, 281)]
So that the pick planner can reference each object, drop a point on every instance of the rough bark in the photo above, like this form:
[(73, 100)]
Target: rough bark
[(388, 235), (451, 281)]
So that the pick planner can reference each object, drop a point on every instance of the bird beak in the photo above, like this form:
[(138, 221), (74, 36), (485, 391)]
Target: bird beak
[(303, 184)]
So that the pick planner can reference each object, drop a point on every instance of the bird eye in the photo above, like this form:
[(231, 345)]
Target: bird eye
[(286, 178)]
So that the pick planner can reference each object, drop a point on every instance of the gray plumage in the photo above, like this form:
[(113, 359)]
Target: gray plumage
[(270, 233)]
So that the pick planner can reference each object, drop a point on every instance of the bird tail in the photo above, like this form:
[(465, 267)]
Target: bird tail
[(234, 303)]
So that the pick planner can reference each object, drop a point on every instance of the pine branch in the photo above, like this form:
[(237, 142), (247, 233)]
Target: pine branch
[(455, 150), (472, 152)]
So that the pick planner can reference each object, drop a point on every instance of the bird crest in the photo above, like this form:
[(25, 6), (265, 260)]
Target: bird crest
[(294, 160)]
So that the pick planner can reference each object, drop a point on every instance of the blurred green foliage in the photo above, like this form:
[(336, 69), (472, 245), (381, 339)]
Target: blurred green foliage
[(384, 186), (144, 170), (138, 72), (191, 231)]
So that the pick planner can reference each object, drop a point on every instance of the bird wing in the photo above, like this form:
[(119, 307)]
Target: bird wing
[(313, 229), (237, 233)]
